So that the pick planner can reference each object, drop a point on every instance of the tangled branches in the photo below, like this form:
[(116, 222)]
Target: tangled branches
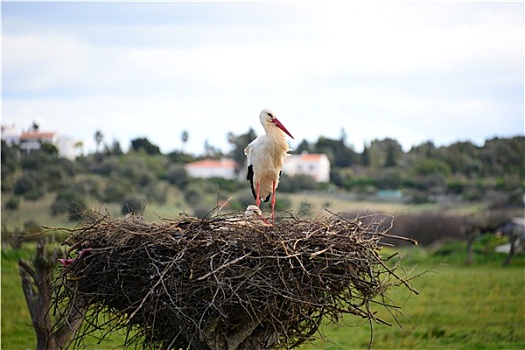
[(224, 282)]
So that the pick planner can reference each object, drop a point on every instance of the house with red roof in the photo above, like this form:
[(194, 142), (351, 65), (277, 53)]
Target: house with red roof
[(30, 141), (208, 168), (315, 165)]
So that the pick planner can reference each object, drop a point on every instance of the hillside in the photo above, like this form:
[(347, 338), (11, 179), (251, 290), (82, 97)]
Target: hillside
[(460, 180)]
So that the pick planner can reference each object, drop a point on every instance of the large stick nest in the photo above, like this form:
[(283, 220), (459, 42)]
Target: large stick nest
[(223, 282)]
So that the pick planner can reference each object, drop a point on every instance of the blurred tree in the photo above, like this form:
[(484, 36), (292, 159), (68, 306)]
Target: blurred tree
[(462, 158), (296, 183), (30, 185), (177, 175), (304, 146), (504, 156), (143, 144), (431, 166), (211, 151), (336, 151), (79, 147), (424, 150), (49, 148), (343, 136), (239, 143), (184, 137), (385, 153), (71, 202), (133, 205), (12, 203), (115, 148), (365, 156), (10, 162), (99, 138), (180, 157)]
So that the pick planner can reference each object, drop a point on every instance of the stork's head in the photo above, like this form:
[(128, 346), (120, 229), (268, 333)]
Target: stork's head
[(269, 121)]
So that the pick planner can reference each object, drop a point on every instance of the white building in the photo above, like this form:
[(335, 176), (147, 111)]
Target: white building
[(10, 135), (31, 140), (315, 165), (207, 168)]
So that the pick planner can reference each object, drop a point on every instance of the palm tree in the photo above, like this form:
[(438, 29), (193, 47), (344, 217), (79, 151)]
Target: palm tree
[(99, 137), (184, 137)]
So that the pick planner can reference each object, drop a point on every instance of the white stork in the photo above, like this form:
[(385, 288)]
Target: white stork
[(265, 158)]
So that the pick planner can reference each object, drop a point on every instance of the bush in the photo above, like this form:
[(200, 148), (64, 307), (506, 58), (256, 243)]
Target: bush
[(136, 170), (242, 201), (107, 167), (30, 186), (192, 196), (12, 203), (178, 176), (296, 183), (32, 227), (133, 205), (305, 209), (157, 192), (115, 191), (86, 186), (226, 185), (71, 202), (428, 227)]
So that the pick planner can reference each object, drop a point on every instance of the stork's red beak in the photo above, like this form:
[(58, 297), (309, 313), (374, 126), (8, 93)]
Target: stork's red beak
[(281, 126)]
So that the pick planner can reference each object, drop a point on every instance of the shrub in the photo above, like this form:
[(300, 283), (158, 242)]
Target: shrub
[(282, 203), (29, 185), (133, 205), (192, 196), (296, 183), (242, 201), (178, 176), (12, 203), (305, 209), (71, 202), (31, 227), (115, 191), (226, 185), (428, 227), (157, 192)]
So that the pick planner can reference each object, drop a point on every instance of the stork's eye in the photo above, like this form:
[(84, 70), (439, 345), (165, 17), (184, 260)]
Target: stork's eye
[(270, 115)]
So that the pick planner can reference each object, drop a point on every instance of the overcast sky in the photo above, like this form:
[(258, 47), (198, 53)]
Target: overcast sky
[(443, 72)]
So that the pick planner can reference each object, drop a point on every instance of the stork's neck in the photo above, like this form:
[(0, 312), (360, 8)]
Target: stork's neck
[(276, 134), (276, 141)]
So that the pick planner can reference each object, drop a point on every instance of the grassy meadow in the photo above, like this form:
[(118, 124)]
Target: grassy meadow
[(460, 307), (463, 307)]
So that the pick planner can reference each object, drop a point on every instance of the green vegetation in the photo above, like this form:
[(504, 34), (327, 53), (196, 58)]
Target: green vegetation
[(44, 184), (475, 307), (444, 190), (458, 307)]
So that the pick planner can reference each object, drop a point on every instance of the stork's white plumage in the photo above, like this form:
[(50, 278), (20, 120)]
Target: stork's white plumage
[(253, 214), (265, 158), (252, 211)]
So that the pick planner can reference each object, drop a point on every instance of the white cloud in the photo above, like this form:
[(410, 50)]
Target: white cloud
[(42, 62), (408, 71)]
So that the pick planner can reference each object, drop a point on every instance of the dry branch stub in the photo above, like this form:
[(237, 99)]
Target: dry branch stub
[(223, 282)]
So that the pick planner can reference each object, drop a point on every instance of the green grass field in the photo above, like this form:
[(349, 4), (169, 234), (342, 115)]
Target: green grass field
[(460, 307)]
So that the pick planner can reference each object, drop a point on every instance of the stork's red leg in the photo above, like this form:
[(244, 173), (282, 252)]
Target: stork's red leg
[(273, 201), (257, 194)]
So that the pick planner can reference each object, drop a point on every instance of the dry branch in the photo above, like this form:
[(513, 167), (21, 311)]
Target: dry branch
[(223, 283)]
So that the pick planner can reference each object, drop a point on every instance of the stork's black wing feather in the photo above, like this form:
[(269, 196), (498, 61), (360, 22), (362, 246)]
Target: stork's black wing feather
[(249, 177)]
